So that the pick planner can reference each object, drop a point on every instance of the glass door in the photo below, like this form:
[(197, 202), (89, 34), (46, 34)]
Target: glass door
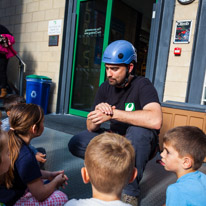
[(100, 22), (92, 28)]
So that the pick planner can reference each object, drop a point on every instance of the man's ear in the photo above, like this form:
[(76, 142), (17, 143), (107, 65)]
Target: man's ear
[(134, 175), (187, 162), (85, 176), (131, 67)]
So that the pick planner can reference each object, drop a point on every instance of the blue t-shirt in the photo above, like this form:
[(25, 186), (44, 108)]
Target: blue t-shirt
[(189, 190), (26, 169)]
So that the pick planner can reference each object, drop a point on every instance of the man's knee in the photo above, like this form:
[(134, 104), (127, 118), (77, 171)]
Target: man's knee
[(73, 145), (139, 134), (78, 143)]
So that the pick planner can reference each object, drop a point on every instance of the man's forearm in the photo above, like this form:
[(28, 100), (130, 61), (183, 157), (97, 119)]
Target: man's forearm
[(147, 118)]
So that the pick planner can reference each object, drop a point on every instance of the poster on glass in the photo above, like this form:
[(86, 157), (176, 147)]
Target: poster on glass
[(183, 31)]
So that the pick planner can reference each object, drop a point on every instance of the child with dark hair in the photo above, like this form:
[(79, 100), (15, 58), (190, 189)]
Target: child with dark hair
[(8, 103), (184, 151), (23, 183), (109, 166)]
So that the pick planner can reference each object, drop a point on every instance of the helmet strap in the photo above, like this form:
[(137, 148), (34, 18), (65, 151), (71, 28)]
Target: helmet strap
[(126, 80)]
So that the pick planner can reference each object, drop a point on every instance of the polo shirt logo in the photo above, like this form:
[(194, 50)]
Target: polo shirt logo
[(129, 107)]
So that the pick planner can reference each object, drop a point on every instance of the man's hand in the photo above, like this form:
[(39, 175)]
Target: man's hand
[(98, 117), (103, 112), (105, 108), (40, 157)]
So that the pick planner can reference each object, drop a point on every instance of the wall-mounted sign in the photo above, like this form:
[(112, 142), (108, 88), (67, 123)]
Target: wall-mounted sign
[(185, 1), (183, 31), (54, 40), (54, 27), (177, 51)]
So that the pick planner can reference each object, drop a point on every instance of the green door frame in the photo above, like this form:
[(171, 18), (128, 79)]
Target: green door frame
[(105, 43)]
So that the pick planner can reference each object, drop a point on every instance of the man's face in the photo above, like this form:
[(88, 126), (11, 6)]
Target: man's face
[(116, 73)]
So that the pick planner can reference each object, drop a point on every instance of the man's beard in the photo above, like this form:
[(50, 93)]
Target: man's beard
[(115, 83)]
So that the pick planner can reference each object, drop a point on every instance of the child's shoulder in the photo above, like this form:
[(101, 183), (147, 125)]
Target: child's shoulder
[(75, 202), (25, 154), (194, 182), (95, 202), (195, 176)]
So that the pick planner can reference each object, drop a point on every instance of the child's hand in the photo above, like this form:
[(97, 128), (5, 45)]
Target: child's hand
[(61, 179), (52, 175), (40, 157)]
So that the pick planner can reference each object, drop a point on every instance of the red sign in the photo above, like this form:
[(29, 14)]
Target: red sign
[(177, 51)]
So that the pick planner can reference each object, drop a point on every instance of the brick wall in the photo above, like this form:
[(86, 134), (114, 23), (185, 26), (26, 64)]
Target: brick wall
[(28, 22), (178, 66)]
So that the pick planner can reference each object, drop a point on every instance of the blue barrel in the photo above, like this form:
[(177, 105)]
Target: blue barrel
[(37, 90)]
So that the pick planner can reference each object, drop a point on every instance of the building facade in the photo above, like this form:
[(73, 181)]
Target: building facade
[(65, 39)]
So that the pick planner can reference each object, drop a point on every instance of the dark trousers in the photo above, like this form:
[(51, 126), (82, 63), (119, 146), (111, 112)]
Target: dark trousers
[(3, 71), (143, 140)]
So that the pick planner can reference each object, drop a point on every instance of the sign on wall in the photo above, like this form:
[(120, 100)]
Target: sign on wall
[(183, 31), (53, 40), (54, 27)]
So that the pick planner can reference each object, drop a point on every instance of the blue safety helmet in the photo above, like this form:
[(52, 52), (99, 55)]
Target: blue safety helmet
[(119, 52)]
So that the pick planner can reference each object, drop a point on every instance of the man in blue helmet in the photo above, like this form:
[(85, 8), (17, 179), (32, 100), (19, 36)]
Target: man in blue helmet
[(131, 105)]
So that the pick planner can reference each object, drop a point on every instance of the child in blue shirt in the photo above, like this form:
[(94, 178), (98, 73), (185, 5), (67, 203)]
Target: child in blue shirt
[(184, 149)]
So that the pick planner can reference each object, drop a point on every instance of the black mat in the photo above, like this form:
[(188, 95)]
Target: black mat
[(67, 123)]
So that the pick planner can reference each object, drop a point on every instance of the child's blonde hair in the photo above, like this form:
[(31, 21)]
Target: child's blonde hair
[(110, 161), (22, 118), (188, 140)]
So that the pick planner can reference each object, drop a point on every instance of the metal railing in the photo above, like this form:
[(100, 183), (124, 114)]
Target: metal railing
[(22, 69)]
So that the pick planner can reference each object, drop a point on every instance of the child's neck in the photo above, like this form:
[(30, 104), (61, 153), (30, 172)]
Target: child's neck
[(26, 139), (184, 172), (104, 196)]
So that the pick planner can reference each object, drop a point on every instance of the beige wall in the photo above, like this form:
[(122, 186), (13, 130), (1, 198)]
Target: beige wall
[(178, 66), (28, 22)]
